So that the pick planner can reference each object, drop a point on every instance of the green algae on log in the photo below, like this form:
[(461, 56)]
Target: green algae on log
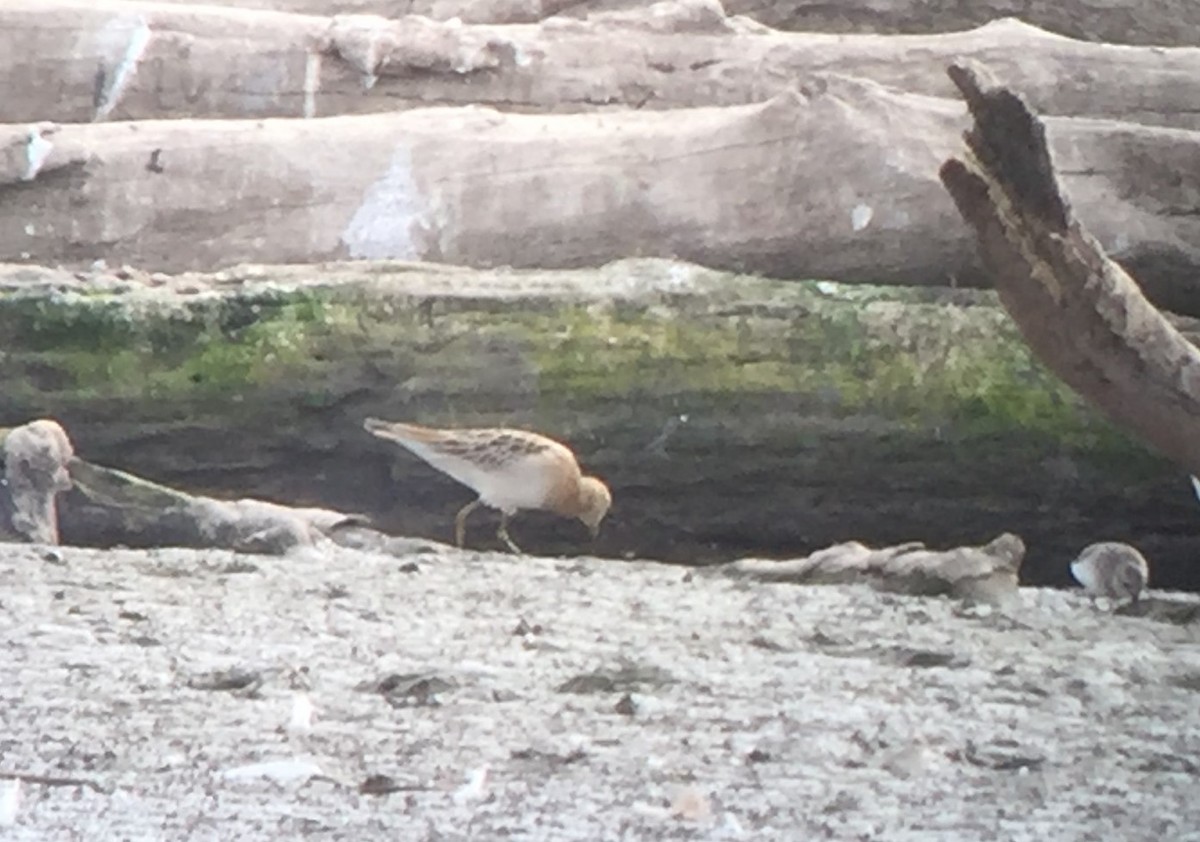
[(714, 337), (731, 414)]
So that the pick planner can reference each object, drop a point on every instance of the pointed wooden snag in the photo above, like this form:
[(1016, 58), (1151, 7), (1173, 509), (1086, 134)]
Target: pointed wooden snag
[(1082, 315)]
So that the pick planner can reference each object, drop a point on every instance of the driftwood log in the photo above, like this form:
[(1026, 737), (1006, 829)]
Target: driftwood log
[(1082, 314), (1173, 22), (108, 507), (846, 162), (47, 492), (985, 574), (839, 182), (103, 507), (135, 61), (36, 460)]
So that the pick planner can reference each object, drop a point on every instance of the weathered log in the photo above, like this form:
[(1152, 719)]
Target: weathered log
[(127, 61), (107, 507), (1176, 22), (732, 416), (36, 456), (839, 183), (47, 493), (986, 574), (1081, 313)]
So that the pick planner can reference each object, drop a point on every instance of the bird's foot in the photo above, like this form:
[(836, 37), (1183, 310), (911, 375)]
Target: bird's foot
[(502, 534), (460, 523)]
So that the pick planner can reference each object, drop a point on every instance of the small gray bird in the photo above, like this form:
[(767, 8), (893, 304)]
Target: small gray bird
[(1111, 569)]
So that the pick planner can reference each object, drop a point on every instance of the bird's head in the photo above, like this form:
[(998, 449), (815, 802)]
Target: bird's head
[(594, 502)]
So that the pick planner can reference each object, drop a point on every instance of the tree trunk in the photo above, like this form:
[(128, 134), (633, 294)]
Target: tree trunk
[(1081, 313)]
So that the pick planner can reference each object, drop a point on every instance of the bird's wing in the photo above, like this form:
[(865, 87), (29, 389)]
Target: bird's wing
[(478, 457)]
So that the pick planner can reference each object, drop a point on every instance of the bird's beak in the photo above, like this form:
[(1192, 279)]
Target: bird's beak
[(594, 531)]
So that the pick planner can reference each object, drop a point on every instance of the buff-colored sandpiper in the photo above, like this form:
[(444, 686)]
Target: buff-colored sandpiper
[(510, 470)]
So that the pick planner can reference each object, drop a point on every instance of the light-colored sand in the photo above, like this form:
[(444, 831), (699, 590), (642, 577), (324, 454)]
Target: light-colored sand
[(763, 712)]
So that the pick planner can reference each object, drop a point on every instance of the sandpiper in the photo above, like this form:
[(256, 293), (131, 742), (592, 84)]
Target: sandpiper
[(1111, 569), (509, 469)]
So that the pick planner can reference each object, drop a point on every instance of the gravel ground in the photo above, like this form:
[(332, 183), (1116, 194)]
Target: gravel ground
[(526, 698)]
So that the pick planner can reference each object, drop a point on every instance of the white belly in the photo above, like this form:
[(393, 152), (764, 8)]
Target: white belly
[(1085, 574), (520, 484), (520, 487)]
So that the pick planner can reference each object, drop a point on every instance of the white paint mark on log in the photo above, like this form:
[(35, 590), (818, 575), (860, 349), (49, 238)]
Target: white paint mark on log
[(369, 79), (860, 217), (122, 42), (392, 216), (312, 83), (37, 150)]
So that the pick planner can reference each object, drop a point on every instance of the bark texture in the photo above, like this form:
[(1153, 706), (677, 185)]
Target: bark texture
[(1082, 314)]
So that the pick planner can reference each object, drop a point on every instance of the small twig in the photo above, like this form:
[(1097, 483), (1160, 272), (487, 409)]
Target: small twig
[(52, 780)]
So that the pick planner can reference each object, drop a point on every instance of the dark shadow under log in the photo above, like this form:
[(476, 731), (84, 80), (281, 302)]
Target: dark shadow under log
[(1083, 315)]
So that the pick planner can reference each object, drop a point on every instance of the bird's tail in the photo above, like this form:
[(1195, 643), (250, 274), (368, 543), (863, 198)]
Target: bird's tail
[(398, 431)]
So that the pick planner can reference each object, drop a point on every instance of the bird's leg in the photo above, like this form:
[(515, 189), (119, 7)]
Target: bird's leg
[(460, 521), (502, 532)]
